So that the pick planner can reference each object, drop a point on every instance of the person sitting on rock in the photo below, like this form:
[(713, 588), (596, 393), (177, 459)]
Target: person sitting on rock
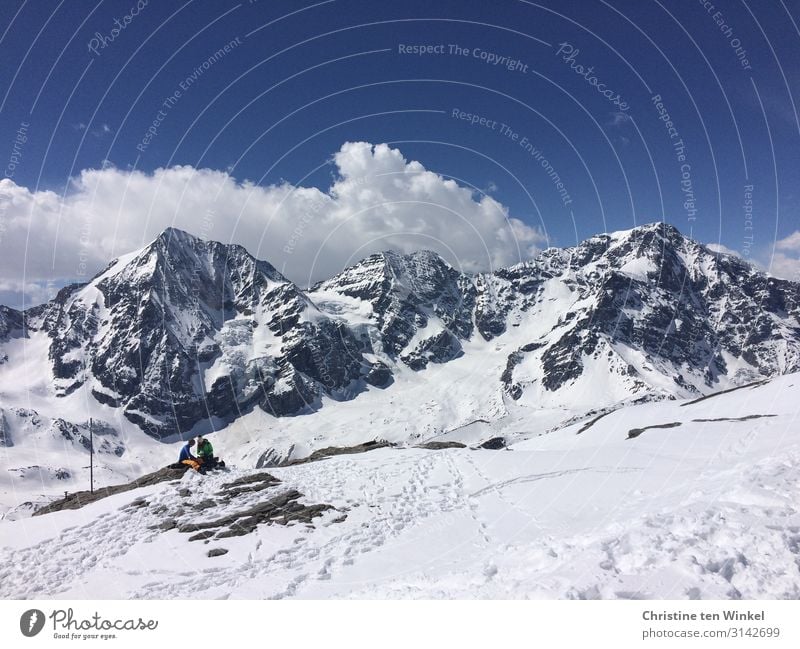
[(186, 456), (205, 453)]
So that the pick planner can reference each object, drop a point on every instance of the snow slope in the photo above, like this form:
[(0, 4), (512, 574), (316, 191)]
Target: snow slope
[(702, 504), (44, 439)]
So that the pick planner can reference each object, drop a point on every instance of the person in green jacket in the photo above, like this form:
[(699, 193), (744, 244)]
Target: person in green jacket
[(205, 453)]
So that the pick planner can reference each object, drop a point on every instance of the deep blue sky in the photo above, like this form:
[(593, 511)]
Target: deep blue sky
[(280, 103)]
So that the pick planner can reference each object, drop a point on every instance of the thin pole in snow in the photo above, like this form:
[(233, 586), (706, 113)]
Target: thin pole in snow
[(91, 457)]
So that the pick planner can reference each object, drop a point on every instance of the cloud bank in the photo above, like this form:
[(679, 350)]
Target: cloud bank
[(786, 258), (378, 201)]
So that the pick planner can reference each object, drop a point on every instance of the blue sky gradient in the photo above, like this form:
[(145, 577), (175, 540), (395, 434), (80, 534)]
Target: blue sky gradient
[(584, 89)]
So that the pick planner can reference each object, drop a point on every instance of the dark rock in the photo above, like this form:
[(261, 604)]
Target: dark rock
[(494, 444), (259, 486), (507, 377), (435, 446), (251, 479), (235, 530), (188, 528), (12, 323), (440, 348), (5, 433), (205, 504), (217, 552), (635, 432), (248, 484), (79, 434), (202, 536), (719, 392), (593, 421), (330, 451), (745, 418), (106, 399), (272, 457), (343, 450), (379, 375), (282, 509)]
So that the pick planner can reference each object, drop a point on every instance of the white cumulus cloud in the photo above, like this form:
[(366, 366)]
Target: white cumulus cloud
[(378, 201), (786, 259)]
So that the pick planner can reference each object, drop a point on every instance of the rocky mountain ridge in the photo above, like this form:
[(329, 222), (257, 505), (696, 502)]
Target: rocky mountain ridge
[(185, 331)]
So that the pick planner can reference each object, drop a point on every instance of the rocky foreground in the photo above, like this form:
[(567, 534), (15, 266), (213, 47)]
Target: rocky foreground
[(234, 510)]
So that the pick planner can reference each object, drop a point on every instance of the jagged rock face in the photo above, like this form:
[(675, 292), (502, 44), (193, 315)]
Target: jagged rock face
[(11, 325), (185, 329), (655, 295), (10, 322), (649, 304), (188, 329), (407, 293)]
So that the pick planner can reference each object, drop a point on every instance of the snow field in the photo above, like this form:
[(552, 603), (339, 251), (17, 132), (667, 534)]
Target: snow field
[(702, 510)]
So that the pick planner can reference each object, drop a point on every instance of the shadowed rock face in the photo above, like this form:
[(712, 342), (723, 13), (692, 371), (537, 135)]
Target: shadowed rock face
[(188, 329), (10, 323)]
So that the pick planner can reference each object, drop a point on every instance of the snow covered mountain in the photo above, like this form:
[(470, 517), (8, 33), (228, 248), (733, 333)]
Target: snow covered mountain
[(420, 308), (646, 311), (187, 335), (187, 330), (657, 312)]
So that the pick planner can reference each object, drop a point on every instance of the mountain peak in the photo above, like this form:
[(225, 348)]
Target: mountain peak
[(416, 259), (171, 231), (418, 271), (657, 229), (171, 237), (397, 257)]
